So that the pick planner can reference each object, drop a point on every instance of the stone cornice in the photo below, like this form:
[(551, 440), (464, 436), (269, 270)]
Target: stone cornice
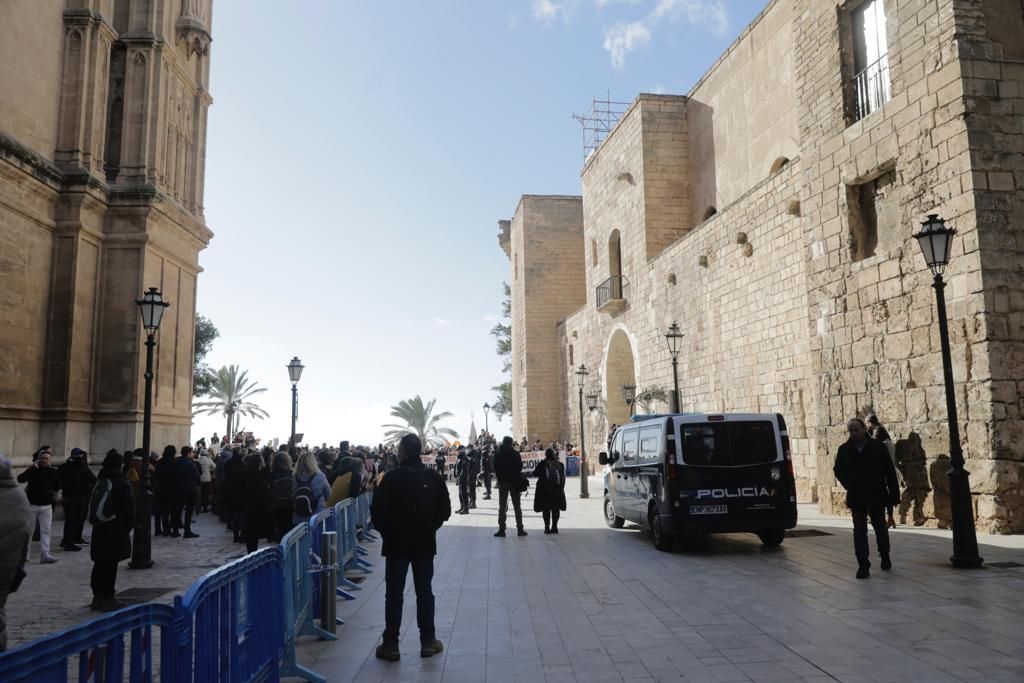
[(30, 162)]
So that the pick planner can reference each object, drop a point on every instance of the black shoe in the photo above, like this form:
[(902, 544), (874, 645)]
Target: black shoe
[(73, 548), (886, 563), (111, 605), (487, 496), (81, 541), (521, 532), (500, 534), (388, 652), (547, 531), (863, 573), (472, 506), (432, 648), (97, 603), (175, 534), (554, 529), (189, 534)]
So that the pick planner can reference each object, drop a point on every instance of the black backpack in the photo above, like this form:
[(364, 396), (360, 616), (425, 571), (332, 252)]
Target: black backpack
[(282, 492), (304, 502)]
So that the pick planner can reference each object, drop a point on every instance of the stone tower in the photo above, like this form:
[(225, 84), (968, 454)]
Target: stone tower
[(102, 155)]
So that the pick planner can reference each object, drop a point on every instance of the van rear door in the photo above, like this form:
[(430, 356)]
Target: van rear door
[(733, 472)]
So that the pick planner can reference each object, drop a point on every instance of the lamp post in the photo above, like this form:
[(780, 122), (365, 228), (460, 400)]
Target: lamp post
[(629, 396), (581, 380), (674, 338), (151, 308), (487, 424), (295, 368), (936, 242)]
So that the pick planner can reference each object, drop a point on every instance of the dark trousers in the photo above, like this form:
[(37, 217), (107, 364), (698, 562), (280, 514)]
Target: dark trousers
[(190, 509), (487, 483), (204, 496), (504, 490), (395, 571), (861, 513), (75, 510), (282, 522), (158, 518), (472, 492), (551, 518), (172, 516), (465, 488), (104, 576)]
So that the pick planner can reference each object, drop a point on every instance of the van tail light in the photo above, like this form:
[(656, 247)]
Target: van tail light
[(786, 454)]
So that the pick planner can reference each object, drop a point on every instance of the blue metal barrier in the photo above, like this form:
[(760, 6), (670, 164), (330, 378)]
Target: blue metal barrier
[(230, 622), (99, 645), (365, 523), (319, 523), (346, 547), (298, 601), (356, 563)]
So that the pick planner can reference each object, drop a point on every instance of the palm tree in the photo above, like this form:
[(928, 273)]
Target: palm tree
[(419, 420), (229, 393)]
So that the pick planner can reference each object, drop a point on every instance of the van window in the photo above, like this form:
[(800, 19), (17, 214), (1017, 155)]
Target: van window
[(650, 443), (729, 444), (616, 447), (629, 445)]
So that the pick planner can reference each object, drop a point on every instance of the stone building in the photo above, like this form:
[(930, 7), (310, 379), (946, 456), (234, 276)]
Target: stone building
[(102, 154), (769, 211)]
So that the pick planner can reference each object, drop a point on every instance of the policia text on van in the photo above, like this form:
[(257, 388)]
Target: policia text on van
[(701, 473)]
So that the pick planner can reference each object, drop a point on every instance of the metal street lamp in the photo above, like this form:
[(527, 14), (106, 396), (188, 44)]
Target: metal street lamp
[(295, 368), (675, 342), (581, 380), (629, 396), (936, 242), (487, 424), (151, 308)]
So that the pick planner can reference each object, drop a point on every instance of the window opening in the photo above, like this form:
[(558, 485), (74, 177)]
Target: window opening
[(870, 83)]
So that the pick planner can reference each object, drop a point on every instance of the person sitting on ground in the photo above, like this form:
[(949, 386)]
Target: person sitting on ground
[(112, 515), (410, 505)]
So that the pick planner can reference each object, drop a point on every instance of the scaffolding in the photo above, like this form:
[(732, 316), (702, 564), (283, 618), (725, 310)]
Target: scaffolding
[(598, 121)]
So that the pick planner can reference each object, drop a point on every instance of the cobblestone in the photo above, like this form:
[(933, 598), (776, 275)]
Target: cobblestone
[(596, 604)]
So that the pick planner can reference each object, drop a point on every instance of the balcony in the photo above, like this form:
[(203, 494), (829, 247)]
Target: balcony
[(611, 294), (871, 88)]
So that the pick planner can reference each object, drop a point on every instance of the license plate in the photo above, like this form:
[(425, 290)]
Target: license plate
[(709, 509)]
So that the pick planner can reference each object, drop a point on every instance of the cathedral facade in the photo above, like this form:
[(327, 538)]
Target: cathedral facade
[(103, 107), (770, 212)]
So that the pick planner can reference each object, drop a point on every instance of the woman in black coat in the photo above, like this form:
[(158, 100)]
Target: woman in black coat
[(112, 514), (257, 510), (549, 493)]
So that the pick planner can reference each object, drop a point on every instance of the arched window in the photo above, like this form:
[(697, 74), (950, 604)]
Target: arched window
[(778, 165), (711, 211)]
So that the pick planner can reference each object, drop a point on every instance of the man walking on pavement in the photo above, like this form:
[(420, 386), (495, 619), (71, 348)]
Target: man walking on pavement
[(508, 466), (864, 469), (409, 506), (75, 480)]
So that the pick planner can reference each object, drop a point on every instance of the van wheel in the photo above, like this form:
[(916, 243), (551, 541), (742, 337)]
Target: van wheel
[(662, 541), (772, 537), (610, 518)]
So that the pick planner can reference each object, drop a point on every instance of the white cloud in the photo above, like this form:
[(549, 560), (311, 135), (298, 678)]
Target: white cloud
[(548, 11), (601, 4), (441, 322), (657, 89), (622, 39)]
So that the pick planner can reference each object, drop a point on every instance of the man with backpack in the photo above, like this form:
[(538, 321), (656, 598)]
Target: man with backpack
[(112, 515), (409, 506)]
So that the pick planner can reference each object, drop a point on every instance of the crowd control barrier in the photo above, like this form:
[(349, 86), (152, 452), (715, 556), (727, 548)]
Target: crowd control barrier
[(99, 645), (238, 623)]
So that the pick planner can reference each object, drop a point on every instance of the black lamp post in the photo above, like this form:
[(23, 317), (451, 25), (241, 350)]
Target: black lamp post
[(487, 424), (629, 396), (151, 307), (295, 369), (581, 380), (675, 340), (936, 242)]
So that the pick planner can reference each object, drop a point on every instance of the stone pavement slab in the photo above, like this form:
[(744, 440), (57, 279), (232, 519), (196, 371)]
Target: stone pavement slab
[(597, 604), (56, 596)]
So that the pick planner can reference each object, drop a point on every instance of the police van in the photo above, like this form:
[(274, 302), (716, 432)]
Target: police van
[(701, 473)]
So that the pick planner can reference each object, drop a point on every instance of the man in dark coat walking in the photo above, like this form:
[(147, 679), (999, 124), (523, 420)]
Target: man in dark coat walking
[(865, 470), (409, 506), (508, 466), (112, 514)]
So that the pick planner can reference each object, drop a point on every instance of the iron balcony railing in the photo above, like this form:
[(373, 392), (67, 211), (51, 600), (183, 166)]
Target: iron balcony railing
[(871, 88), (612, 289)]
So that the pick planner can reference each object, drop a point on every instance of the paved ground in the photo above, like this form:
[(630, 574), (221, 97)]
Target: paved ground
[(596, 604), (56, 596)]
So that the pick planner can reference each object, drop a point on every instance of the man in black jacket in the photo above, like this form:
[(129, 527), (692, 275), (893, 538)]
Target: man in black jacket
[(42, 487), (474, 472), (409, 506), (508, 466), (865, 470), (76, 481), (186, 482), (487, 465)]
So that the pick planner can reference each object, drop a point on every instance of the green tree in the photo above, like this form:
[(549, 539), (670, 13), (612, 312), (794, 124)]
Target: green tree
[(229, 394), (202, 377), (420, 420), (503, 339)]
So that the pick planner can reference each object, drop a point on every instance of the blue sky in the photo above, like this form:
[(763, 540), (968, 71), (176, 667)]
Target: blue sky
[(359, 157)]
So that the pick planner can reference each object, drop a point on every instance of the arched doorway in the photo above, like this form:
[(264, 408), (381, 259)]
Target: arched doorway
[(618, 370)]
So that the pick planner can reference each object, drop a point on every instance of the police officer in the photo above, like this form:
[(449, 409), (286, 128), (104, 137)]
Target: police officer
[(463, 475), (487, 465), (474, 472), (439, 462)]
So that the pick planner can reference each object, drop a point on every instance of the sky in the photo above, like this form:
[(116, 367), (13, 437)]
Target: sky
[(359, 156)]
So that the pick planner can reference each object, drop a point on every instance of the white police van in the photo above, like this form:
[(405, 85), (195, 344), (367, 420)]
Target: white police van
[(701, 473)]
